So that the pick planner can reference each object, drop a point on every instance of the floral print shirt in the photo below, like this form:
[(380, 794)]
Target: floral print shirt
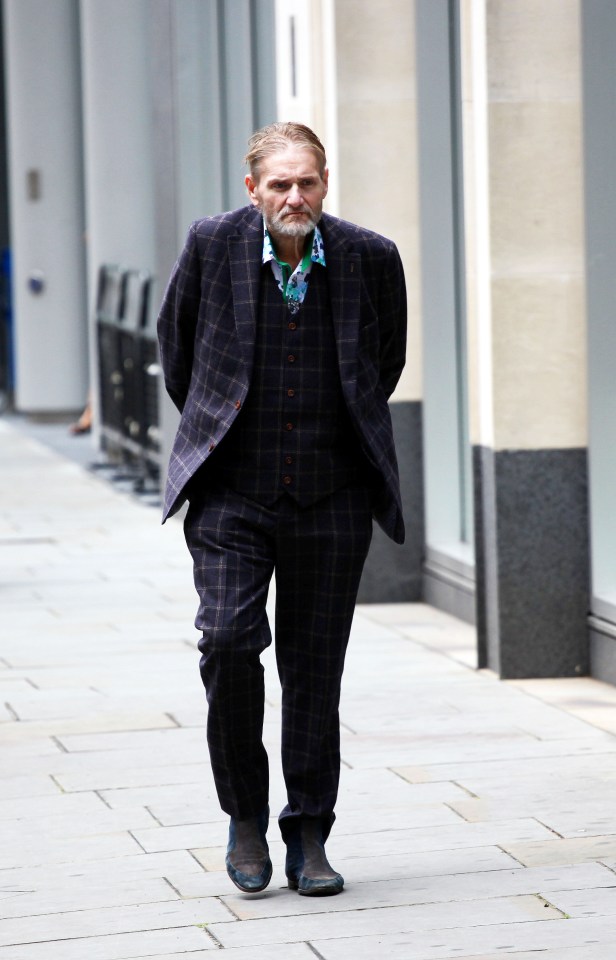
[(293, 286)]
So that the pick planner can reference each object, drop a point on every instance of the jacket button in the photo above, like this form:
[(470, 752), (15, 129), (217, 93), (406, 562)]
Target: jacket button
[(238, 404), (288, 461), (289, 426), (287, 480), (291, 358), (290, 393), (212, 445)]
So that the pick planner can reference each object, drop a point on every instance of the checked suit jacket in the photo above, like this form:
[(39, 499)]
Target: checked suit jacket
[(207, 330)]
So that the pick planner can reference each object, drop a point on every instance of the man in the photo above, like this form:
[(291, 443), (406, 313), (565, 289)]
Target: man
[(282, 334)]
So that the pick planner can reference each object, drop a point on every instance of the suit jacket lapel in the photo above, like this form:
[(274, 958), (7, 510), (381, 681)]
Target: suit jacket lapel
[(245, 255), (344, 275)]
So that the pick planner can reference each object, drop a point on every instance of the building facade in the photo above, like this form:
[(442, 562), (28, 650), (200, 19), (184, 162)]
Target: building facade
[(478, 134)]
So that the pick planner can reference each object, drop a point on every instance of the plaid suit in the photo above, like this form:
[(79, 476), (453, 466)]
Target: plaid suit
[(207, 336), (207, 332)]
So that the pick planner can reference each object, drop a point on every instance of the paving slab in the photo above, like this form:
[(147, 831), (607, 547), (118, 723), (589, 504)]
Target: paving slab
[(25, 848), (570, 815), (403, 919), (177, 941), (556, 852), (137, 867), (464, 943), (592, 951), (104, 921), (74, 895)]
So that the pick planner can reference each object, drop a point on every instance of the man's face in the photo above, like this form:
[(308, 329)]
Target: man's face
[(289, 191)]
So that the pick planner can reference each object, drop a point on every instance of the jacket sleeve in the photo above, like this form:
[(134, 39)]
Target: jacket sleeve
[(392, 322), (177, 321)]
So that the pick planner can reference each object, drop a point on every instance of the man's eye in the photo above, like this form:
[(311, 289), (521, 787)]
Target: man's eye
[(279, 186), (307, 183)]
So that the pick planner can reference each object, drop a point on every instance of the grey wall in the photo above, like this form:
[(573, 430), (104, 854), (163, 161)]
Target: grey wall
[(46, 198)]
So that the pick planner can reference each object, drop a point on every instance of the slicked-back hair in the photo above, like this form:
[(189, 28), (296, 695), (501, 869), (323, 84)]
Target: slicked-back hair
[(276, 137)]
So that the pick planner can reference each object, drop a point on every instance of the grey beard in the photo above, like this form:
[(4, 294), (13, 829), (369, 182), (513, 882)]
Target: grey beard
[(292, 228)]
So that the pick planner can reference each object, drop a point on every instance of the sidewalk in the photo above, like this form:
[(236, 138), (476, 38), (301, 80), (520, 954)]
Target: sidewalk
[(477, 819)]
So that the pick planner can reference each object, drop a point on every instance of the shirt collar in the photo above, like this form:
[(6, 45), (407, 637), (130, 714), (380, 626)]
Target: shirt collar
[(318, 250)]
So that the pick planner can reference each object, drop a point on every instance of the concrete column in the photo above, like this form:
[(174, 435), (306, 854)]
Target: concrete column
[(120, 200), (46, 204), (377, 188), (599, 70), (525, 283)]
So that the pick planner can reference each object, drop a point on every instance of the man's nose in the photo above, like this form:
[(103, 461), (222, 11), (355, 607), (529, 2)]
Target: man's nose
[(294, 197)]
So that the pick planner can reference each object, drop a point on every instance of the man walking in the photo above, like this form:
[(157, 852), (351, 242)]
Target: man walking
[(282, 335)]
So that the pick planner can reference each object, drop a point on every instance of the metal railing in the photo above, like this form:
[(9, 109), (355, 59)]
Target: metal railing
[(128, 374)]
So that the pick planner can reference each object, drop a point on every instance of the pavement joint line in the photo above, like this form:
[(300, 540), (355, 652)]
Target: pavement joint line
[(139, 844), (547, 903), (222, 901), (99, 794), (456, 812), (173, 719), (192, 854), (13, 713), (212, 936), (314, 950), (56, 782), (509, 854), (560, 836), (163, 825), (473, 796), (175, 889)]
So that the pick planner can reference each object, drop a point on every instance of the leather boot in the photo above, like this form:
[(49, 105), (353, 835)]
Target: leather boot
[(247, 861), (307, 868)]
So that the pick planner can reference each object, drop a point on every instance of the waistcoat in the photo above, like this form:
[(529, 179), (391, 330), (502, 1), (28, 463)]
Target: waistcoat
[(293, 434)]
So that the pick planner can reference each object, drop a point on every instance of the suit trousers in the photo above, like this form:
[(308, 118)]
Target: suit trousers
[(317, 554)]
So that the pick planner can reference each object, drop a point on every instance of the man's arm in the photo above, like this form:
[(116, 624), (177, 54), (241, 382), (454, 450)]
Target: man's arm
[(392, 322), (177, 321)]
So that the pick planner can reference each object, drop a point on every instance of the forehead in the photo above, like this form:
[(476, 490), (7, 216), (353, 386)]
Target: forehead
[(293, 160)]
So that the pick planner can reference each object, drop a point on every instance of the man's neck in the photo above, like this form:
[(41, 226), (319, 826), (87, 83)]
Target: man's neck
[(290, 249)]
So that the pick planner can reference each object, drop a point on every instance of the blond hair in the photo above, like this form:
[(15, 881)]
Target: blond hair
[(277, 136)]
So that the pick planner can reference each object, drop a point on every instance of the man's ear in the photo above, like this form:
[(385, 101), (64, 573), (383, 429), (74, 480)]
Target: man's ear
[(325, 179), (251, 187)]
